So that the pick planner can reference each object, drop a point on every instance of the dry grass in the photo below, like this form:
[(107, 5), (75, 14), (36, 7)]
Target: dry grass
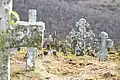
[(64, 67)]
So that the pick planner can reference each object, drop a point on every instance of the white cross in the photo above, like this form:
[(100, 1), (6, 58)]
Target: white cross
[(32, 14)]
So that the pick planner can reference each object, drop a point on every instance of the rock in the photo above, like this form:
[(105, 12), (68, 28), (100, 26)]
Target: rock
[(89, 63), (45, 53), (47, 78), (40, 55), (54, 53), (108, 75), (81, 64), (72, 62)]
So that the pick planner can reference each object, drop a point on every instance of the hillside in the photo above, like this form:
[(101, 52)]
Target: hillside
[(68, 67), (61, 15)]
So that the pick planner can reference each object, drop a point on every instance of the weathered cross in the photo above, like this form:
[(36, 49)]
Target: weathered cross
[(105, 43), (24, 35), (31, 51)]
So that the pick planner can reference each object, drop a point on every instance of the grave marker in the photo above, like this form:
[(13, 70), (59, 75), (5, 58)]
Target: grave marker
[(78, 36), (31, 52), (105, 43), (29, 34)]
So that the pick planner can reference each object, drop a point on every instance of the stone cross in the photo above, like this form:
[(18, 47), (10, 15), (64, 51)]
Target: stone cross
[(31, 52), (29, 34), (81, 30), (105, 43)]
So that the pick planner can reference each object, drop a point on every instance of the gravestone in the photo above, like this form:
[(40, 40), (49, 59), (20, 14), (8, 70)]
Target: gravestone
[(31, 52), (78, 36), (5, 8), (28, 34), (105, 43)]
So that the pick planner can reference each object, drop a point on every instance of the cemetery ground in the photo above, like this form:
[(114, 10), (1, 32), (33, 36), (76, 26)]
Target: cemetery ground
[(70, 67)]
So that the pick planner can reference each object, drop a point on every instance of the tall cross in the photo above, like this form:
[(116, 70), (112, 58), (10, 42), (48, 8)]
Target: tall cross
[(32, 51)]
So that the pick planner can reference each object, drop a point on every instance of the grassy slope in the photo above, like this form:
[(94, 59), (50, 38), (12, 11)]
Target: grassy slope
[(66, 67)]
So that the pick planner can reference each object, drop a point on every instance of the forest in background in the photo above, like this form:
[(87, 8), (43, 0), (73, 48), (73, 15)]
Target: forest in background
[(61, 15)]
